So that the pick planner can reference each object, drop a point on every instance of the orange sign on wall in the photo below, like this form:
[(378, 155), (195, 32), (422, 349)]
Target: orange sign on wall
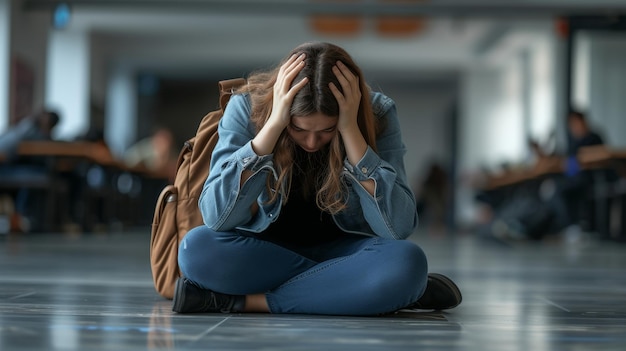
[(337, 24), (402, 26), (385, 25)]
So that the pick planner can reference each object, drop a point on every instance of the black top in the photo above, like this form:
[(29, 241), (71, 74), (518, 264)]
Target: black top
[(301, 222), (590, 139)]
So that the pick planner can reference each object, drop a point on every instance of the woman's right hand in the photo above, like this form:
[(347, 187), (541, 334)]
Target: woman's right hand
[(284, 92), (265, 141)]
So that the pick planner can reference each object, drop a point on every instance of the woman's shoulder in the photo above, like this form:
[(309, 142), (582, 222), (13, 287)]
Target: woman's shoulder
[(381, 103), (240, 100), (238, 107), (237, 112)]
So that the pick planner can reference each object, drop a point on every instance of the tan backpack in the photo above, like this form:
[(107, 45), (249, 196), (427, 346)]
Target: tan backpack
[(176, 210)]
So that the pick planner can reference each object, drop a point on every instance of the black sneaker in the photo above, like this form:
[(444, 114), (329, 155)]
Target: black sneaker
[(189, 298), (441, 294)]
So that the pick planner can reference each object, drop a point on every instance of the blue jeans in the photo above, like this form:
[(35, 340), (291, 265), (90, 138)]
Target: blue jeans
[(353, 275)]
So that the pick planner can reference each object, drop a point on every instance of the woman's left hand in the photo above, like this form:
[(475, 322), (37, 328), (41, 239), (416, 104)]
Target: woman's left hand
[(348, 127), (350, 100)]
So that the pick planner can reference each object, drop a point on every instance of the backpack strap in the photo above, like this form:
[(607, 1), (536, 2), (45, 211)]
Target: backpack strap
[(227, 88)]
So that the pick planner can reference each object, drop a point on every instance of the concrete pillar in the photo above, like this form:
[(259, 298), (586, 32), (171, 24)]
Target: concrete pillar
[(607, 83), (542, 89), (5, 62), (121, 110), (67, 83)]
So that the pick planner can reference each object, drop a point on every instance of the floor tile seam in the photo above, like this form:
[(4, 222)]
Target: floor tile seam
[(30, 293), (209, 330), (550, 302)]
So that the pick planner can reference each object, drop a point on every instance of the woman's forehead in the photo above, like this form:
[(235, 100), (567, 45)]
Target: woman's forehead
[(314, 122)]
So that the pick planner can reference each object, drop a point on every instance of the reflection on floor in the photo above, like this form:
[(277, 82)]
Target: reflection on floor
[(94, 292)]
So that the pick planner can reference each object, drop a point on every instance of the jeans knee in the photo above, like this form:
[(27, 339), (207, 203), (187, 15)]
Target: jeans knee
[(405, 274), (206, 256), (198, 250), (418, 260), (189, 247), (409, 260), (401, 275)]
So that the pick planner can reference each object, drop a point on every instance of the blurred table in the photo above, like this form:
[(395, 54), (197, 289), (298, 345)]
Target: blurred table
[(607, 167), (72, 166), (589, 158)]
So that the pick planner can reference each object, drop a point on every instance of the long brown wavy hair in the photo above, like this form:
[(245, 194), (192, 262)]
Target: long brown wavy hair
[(315, 97)]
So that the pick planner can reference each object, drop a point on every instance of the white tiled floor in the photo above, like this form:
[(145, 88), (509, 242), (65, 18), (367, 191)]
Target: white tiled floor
[(94, 292)]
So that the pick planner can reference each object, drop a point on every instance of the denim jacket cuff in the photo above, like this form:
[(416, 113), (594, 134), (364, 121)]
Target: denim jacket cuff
[(249, 160), (365, 167)]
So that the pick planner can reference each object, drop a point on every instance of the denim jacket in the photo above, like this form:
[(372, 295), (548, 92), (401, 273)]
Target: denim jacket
[(225, 206)]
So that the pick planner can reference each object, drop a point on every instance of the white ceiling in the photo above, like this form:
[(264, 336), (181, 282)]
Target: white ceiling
[(187, 37)]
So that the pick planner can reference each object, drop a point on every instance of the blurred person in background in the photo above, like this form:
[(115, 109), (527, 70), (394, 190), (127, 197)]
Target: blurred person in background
[(36, 127), (560, 204), (156, 153), (574, 187), (432, 193)]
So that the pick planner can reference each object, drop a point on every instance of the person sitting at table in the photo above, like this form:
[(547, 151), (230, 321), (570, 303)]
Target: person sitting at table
[(573, 187), (581, 133), (38, 126), (559, 203), (156, 153)]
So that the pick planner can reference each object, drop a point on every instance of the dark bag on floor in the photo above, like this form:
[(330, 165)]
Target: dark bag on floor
[(526, 214), (176, 210)]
